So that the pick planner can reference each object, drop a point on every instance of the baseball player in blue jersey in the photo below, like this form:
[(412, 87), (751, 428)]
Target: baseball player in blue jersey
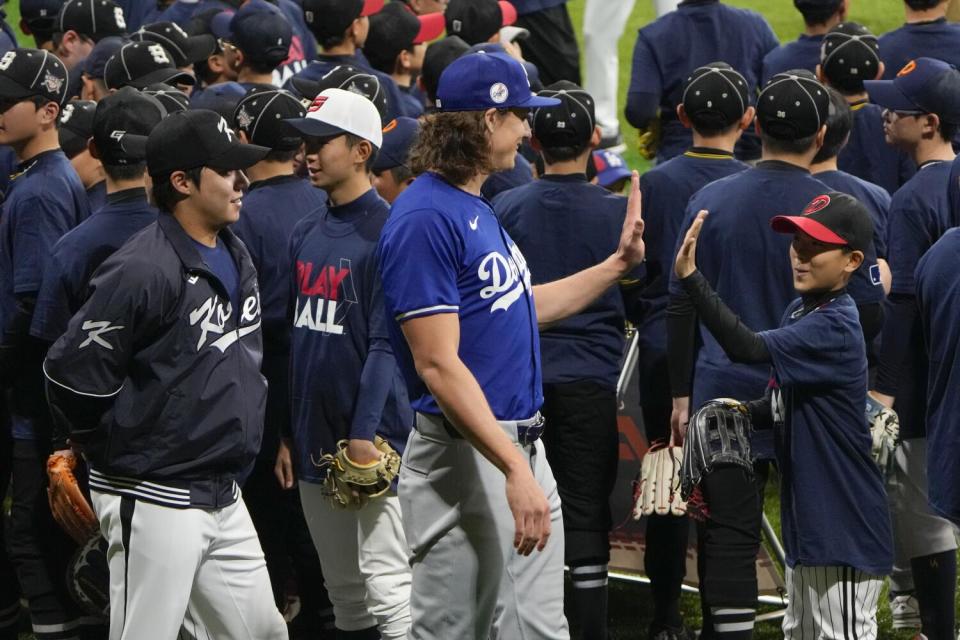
[(791, 118), (926, 33), (158, 380), (716, 123), (44, 200), (345, 384), (838, 549), (697, 33), (850, 55), (480, 506), (255, 42), (819, 17), (922, 118)]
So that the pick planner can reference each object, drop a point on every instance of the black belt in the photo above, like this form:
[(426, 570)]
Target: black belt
[(525, 435)]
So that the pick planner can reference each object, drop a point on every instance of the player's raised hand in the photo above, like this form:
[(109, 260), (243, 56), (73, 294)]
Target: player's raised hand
[(531, 511), (632, 250), (686, 262)]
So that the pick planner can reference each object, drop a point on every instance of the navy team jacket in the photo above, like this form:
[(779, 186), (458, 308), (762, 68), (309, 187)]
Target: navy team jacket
[(158, 377)]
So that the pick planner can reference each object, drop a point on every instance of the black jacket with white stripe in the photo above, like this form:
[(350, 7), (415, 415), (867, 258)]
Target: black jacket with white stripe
[(157, 378)]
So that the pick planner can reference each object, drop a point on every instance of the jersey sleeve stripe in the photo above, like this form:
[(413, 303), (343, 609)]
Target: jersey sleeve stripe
[(426, 311), (79, 393)]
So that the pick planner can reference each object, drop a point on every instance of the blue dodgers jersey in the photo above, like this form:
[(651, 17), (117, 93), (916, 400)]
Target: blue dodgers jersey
[(936, 39), (666, 190), (79, 253), (938, 297), (326, 63), (564, 224), (865, 286), (868, 156), (697, 33), (833, 503), (443, 251), (802, 53)]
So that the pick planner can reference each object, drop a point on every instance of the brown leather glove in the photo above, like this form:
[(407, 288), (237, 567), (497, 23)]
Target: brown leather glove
[(67, 503)]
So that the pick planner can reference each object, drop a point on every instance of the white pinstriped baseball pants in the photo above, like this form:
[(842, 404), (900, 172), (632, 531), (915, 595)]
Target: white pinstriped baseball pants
[(831, 603)]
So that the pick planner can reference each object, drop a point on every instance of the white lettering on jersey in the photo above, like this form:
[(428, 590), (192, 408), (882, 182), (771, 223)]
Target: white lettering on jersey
[(315, 321), (212, 317), (776, 407), (95, 329), (507, 276)]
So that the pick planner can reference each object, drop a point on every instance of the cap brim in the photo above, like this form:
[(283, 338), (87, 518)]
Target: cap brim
[(509, 13), (134, 145), (201, 47), (371, 7), (809, 226), (535, 101), (431, 27), (170, 76), (307, 88), (612, 175), (11, 89), (314, 128), (385, 161), (238, 156), (886, 94), (513, 34)]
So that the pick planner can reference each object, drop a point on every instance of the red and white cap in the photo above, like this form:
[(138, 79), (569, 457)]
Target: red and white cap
[(337, 111)]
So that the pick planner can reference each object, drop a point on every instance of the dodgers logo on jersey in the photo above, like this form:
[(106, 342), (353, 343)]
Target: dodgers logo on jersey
[(326, 294), (507, 276)]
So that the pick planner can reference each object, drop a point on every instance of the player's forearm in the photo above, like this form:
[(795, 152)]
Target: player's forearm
[(681, 333), (895, 344), (567, 297), (740, 343), (376, 379)]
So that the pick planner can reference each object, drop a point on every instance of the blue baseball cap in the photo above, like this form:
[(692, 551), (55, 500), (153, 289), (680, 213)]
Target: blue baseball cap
[(261, 31), (96, 62), (222, 98), (924, 85), (398, 136), (611, 167), (481, 81)]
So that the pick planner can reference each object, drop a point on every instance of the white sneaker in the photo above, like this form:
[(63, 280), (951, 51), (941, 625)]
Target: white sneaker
[(905, 611)]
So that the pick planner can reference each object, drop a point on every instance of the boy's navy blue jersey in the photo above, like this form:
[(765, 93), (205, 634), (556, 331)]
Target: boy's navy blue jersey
[(97, 196), (919, 216), (8, 37), (833, 504), (443, 251), (345, 382), (935, 39), (697, 33), (867, 155), (172, 378), (45, 199), (802, 53), (666, 190), (325, 63), (748, 265), (938, 296), (563, 224), (864, 286), (412, 101), (501, 181), (530, 6), (79, 253)]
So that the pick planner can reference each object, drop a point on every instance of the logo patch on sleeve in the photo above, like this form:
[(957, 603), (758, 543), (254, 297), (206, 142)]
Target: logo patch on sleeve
[(875, 275)]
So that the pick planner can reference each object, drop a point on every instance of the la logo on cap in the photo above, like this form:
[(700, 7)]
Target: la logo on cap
[(499, 93), (317, 103), (819, 204)]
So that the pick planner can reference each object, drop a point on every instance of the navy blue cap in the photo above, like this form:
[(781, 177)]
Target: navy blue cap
[(222, 98), (261, 31), (398, 137), (40, 15), (76, 126), (610, 166), (924, 85), (481, 81), (182, 47), (96, 62)]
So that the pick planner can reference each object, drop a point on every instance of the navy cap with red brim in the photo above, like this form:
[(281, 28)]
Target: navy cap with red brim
[(809, 226)]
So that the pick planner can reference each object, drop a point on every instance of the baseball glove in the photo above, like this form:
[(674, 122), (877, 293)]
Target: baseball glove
[(657, 488), (884, 433), (88, 578), (649, 139), (349, 485), (67, 503)]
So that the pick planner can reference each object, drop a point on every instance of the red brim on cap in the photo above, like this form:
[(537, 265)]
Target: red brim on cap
[(431, 26), (371, 7), (509, 13), (806, 224)]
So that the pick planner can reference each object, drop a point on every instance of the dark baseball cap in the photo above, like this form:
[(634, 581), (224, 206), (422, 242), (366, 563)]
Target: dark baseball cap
[(95, 63), (183, 48), (33, 72), (439, 56), (567, 124), (478, 20), (924, 85), (398, 137), (715, 96), (832, 218), (792, 105), (349, 78), (849, 55), (396, 29), (140, 64), (76, 126), (804, 6), (533, 73), (221, 98), (261, 115), (172, 99), (261, 31), (481, 81), (328, 18), (192, 139), (41, 15), (125, 112), (95, 19)]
